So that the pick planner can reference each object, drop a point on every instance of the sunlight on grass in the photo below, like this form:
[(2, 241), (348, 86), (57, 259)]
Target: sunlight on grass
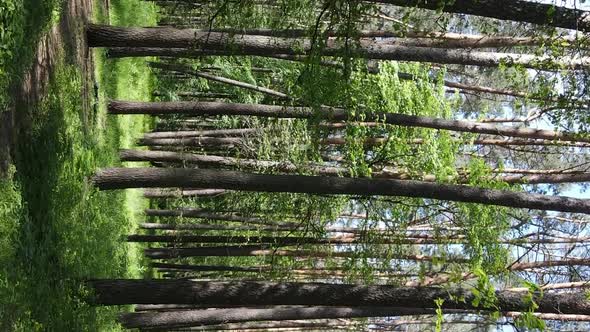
[(56, 229)]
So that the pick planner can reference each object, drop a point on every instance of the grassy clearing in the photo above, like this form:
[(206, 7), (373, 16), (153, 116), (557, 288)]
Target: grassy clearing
[(56, 229)]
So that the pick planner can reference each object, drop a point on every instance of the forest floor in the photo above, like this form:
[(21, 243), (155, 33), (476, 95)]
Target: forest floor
[(56, 229)]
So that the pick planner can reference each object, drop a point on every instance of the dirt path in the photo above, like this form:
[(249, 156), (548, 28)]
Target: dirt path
[(68, 35)]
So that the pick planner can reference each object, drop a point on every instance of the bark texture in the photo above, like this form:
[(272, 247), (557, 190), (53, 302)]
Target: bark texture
[(511, 10), (187, 318), (197, 41), (336, 114), (121, 178), (118, 292)]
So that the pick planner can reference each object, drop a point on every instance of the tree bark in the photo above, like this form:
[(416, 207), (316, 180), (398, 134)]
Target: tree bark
[(269, 228), (205, 214), (195, 94), (187, 318), (416, 38), (120, 292), (201, 133), (178, 193), (295, 325), (267, 250), (550, 263), (109, 36), (511, 10), (295, 240), (211, 161), (121, 178), (335, 114), (191, 141)]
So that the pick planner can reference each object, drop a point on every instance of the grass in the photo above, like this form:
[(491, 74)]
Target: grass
[(56, 229), (21, 23)]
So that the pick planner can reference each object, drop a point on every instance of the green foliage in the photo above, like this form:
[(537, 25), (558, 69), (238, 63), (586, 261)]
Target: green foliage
[(18, 39), (527, 319), (56, 229), (484, 292), (439, 314)]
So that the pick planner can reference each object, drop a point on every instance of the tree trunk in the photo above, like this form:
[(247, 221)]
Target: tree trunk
[(120, 178), (416, 38), (548, 263), (296, 325), (194, 95), (201, 133), (187, 318), (205, 214), (267, 250), (216, 162), (191, 141), (511, 10), (334, 114), (178, 193), (120, 292), (295, 240), (109, 36), (211, 268), (273, 228)]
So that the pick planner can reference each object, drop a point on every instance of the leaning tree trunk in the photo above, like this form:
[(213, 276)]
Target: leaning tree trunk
[(335, 114), (120, 178), (187, 318), (109, 36), (119, 292), (190, 71), (512, 10)]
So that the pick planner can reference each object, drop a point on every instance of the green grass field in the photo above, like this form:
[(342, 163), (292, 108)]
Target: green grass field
[(56, 229)]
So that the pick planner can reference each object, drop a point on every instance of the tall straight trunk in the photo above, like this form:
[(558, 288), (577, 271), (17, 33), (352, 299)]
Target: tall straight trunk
[(195, 95), (511, 10), (206, 214), (191, 141), (296, 325), (187, 318), (295, 240), (119, 292), (270, 228), (337, 140), (109, 36), (411, 38), (211, 268), (188, 70), (334, 114), (211, 161), (267, 250), (178, 193), (564, 285), (219, 162), (550, 263), (326, 272), (424, 38), (120, 178), (275, 227), (338, 240), (201, 133)]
